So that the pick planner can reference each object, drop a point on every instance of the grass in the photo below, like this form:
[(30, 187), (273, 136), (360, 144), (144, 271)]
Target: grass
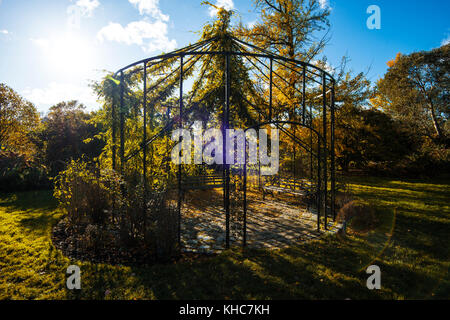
[(410, 246)]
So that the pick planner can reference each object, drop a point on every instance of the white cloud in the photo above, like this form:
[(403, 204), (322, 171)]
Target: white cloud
[(445, 41), (46, 97), (226, 4), (81, 9), (324, 4), (4, 31), (150, 36), (150, 7), (87, 6)]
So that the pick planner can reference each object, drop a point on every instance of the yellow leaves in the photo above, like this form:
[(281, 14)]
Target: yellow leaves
[(17, 118), (391, 63), (379, 102), (109, 77)]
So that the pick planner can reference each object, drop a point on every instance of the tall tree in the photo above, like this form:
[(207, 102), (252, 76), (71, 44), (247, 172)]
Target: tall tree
[(289, 28), (416, 89), (67, 134), (17, 118), (364, 134)]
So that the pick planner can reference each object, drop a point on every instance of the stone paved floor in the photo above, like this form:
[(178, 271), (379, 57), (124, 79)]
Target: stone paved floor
[(277, 222)]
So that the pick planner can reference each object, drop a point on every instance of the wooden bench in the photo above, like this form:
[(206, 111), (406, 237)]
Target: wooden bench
[(202, 182), (301, 187)]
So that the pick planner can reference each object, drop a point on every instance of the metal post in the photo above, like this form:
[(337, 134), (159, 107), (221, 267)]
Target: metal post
[(270, 90), (333, 168), (225, 165), (293, 144), (311, 169), (304, 95), (179, 165), (270, 101), (319, 180), (325, 153), (114, 124), (244, 243), (259, 159), (167, 144), (122, 124), (144, 139)]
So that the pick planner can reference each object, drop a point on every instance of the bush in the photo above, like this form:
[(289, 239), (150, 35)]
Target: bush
[(358, 216), (17, 173), (108, 212), (153, 228), (87, 194), (344, 195), (430, 160), (342, 198), (163, 229)]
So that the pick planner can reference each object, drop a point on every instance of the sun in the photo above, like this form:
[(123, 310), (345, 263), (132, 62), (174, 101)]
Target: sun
[(68, 54)]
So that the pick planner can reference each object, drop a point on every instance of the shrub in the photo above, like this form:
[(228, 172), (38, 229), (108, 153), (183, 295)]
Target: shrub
[(108, 212), (344, 195), (342, 198), (163, 227), (358, 216), (17, 173), (93, 236), (86, 193)]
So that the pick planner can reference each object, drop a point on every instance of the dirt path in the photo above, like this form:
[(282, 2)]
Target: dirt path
[(276, 222)]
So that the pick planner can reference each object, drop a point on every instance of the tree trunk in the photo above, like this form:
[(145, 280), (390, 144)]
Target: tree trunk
[(436, 124)]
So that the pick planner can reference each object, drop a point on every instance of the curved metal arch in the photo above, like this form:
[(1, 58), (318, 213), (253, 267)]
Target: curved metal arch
[(265, 54), (292, 123), (261, 113), (166, 55), (236, 53), (303, 63)]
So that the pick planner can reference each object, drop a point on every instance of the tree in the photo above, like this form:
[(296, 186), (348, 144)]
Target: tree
[(364, 134), (416, 89), (19, 163), (369, 135), (67, 134), (288, 28), (17, 118), (351, 94)]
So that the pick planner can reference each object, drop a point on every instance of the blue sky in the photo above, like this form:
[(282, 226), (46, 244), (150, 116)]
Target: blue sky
[(51, 49)]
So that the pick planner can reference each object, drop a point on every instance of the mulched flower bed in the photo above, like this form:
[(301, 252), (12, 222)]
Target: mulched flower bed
[(76, 245)]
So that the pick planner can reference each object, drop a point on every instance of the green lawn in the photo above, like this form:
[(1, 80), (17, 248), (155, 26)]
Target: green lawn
[(410, 246)]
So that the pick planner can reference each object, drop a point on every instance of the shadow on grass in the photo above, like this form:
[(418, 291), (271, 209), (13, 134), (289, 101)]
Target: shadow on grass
[(253, 274), (37, 209), (29, 201), (39, 224)]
